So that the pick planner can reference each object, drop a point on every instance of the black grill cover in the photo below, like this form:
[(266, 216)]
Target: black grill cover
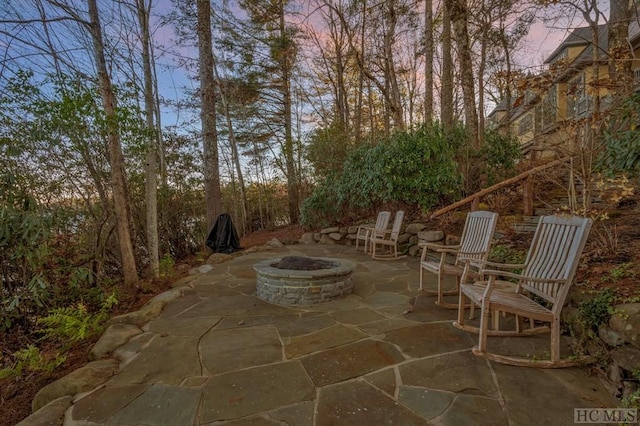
[(223, 237)]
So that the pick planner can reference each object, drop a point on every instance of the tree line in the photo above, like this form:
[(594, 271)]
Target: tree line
[(281, 96)]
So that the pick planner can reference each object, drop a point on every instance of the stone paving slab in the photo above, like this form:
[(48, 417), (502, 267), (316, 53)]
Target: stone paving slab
[(218, 355), (161, 405), (384, 379), (166, 359), (242, 321), (102, 404), (333, 336), (357, 316), (526, 406), (305, 325), (376, 328), (459, 372), (177, 306), (359, 403), (430, 339), (182, 326), (242, 393), (345, 362), (386, 298), (234, 349), (232, 306)]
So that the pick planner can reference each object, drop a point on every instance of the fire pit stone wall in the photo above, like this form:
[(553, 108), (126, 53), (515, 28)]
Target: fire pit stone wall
[(295, 287)]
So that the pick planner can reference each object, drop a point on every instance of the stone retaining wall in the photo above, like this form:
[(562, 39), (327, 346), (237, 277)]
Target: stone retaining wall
[(410, 236)]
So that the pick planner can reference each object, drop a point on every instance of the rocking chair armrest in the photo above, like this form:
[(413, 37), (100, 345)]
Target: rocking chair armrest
[(506, 274), (447, 250), (366, 226), (485, 263), (438, 248)]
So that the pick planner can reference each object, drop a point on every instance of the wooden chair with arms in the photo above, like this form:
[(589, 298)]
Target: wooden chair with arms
[(475, 243), (540, 290), (365, 232), (388, 240)]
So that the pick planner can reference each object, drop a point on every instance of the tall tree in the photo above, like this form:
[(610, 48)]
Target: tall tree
[(459, 19), (620, 53), (285, 54), (151, 173), (118, 176), (446, 93), (271, 53), (429, 57), (213, 193)]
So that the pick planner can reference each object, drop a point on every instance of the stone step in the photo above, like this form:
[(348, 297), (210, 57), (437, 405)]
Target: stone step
[(524, 227), (531, 220)]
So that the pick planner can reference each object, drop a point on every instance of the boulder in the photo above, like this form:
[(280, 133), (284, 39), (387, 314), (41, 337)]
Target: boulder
[(336, 236), (50, 414), (609, 336), (627, 357), (414, 228), (325, 239), (626, 322), (404, 238), (149, 311), (200, 270), (273, 243), (307, 238), (113, 337), (452, 240), (81, 380), (415, 251), (217, 258), (430, 236), (330, 230), (183, 281)]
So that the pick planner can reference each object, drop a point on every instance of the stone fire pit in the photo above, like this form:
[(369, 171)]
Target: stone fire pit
[(299, 280)]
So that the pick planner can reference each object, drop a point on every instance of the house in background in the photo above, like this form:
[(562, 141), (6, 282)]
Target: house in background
[(554, 112)]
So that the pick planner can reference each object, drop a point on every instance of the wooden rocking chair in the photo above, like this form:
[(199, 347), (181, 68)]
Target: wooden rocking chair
[(366, 232), (475, 243), (388, 239), (540, 290)]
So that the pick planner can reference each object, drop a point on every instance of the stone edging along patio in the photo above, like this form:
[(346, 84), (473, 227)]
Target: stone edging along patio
[(51, 402)]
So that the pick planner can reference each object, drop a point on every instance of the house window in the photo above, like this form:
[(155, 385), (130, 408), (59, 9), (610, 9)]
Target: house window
[(525, 125), (577, 99), (546, 111)]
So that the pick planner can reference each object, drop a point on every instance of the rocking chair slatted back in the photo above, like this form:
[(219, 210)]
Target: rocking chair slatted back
[(381, 224), (552, 259), (476, 236)]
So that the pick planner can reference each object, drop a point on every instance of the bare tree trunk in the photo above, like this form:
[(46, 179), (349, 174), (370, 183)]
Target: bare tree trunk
[(391, 83), (213, 193), (459, 17), (292, 175), (360, 101), (118, 177), (620, 53), (446, 97), (481, 69), (428, 63), (151, 172), (235, 158)]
